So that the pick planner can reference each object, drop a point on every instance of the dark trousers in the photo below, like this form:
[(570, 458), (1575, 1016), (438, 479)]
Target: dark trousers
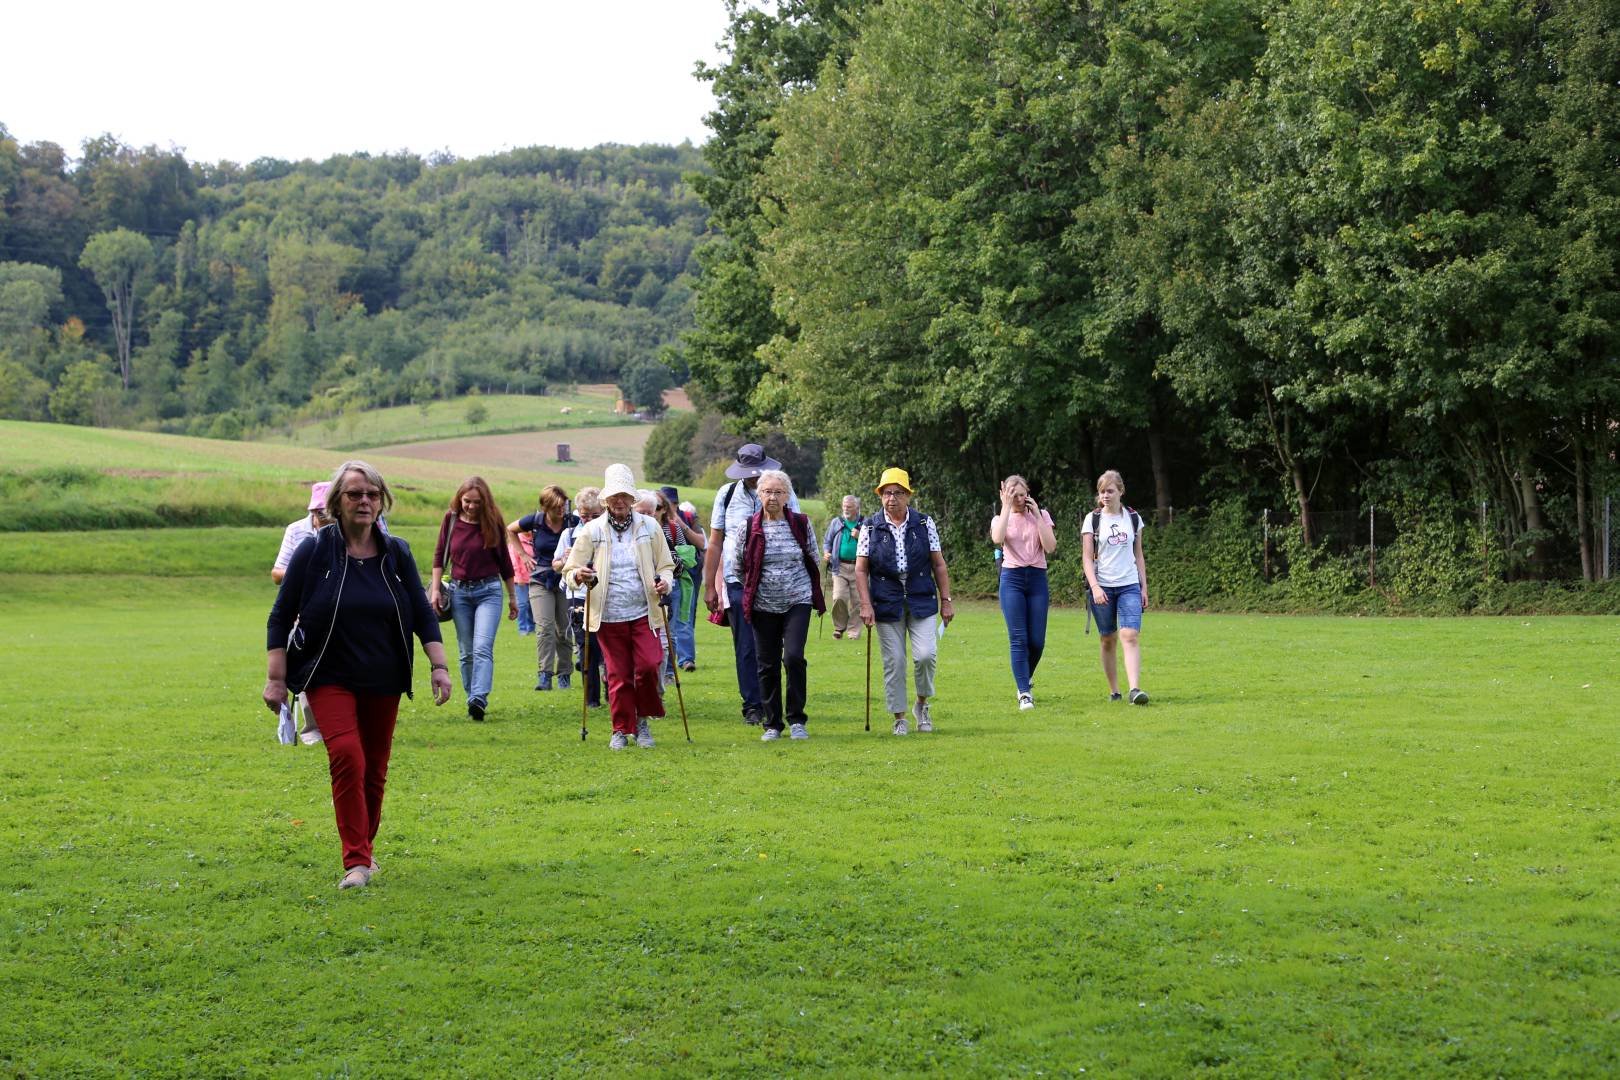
[(359, 734), (779, 643), (598, 669), (742, 645)]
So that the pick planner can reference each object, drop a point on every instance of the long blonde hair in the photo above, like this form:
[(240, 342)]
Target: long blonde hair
[(1112, 477)]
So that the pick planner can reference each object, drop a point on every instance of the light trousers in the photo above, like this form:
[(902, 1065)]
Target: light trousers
[(892, 644)]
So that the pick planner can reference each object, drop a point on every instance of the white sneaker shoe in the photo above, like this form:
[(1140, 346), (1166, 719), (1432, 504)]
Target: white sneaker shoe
[(925, 722), (796, 731), (900, 726), (770, 734), (1025, 703), (644, 737), (619, 741)]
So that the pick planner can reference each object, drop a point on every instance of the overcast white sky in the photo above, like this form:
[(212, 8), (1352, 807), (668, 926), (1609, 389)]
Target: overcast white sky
[(298, 79)]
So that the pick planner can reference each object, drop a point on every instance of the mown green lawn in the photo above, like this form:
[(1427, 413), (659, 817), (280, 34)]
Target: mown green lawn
[(1329, 847)]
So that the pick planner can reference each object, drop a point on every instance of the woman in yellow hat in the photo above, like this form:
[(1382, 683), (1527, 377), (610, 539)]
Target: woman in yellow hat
[(905, 589)]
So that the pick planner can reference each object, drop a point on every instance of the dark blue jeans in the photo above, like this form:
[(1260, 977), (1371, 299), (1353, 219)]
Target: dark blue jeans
[(742, 643), (1024, 603)]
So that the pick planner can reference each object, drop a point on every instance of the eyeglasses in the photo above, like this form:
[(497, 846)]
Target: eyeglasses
[(893, 493), (359, 496), (780, 493)]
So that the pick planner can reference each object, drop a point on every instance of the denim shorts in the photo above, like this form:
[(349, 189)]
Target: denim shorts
[(1124, 608)]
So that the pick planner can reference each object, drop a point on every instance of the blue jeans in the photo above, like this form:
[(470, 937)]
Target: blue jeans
[(683, 624), (742, 644), (525, 614), (1124, 608), (1024, 603), (477, 611)]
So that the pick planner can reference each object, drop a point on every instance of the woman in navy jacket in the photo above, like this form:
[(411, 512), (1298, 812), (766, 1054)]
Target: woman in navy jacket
[(340, 633)]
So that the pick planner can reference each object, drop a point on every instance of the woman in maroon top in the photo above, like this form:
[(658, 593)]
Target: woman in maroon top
[(472, 540)]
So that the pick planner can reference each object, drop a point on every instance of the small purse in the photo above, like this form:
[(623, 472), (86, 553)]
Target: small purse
[(442, 608)]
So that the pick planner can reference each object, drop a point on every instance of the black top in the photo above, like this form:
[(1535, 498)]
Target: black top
[(364, 651), (545, 546)]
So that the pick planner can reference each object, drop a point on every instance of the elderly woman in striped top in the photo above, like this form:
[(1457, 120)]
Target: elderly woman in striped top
[(781, 584)]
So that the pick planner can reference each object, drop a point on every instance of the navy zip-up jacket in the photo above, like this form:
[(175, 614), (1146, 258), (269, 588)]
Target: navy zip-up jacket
[(302, 618)]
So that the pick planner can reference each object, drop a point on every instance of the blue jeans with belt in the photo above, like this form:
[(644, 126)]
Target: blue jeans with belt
[(1024, 603), (476, 607)]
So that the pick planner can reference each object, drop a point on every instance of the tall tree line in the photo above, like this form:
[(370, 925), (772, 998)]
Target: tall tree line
[(1331, 253), (139, 288)]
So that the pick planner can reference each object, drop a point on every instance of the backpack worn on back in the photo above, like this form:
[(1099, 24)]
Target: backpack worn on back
[(1136, 522)]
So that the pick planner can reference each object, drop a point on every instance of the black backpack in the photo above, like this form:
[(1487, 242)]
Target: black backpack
[(1096, 520)]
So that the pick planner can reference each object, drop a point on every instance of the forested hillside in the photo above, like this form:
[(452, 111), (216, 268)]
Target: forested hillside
[(142, 289)]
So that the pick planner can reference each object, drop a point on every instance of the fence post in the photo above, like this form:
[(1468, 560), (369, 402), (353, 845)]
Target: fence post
[(1372, 545), (1265, 544)]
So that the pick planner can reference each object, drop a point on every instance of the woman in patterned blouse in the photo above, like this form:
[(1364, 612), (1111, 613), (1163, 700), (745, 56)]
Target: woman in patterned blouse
[(781, 584)]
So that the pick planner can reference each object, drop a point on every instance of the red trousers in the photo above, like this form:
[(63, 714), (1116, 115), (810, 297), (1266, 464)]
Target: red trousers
[(635, 665), (359, 734)]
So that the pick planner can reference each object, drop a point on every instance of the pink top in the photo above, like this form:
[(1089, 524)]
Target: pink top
[(1023, 546)]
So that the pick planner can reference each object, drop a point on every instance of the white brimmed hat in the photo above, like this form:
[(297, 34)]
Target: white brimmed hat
[(618, 480)]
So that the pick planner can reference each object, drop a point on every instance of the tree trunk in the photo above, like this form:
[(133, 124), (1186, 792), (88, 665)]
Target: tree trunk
[(1088, 461), (1534, 523), (1583, 527), (1303, 494), (1161, 467)]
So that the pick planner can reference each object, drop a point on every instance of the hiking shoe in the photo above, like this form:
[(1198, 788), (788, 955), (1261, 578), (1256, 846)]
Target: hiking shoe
[(619, 741), (1025, 703), (475, 709), (357, 877), (925, 722), (688, 666), (796, 731), (837, 634), (562, 680), (1115, 696), (900, 725), (644, 737), (544, 682), (770, 734), (754, 717), (1138, 696)]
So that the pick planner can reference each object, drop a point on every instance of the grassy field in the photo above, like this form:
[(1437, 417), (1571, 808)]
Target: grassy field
[(588, 406), (1330, 847)]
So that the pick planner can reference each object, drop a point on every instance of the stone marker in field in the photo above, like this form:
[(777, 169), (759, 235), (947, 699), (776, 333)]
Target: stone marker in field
[(564, 452)]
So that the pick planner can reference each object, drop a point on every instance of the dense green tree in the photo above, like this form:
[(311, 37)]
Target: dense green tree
[(667, 457), (86, 394), (116, 259)]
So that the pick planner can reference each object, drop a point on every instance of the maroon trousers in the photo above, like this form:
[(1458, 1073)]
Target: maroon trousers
[(635, 666), (359, 734)]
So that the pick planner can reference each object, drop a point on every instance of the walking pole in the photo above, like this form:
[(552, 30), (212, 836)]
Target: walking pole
[(669, 640), (585, 670), (869, 632)]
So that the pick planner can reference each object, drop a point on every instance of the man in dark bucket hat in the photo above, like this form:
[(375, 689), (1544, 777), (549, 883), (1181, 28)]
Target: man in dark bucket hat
[(734, 504)]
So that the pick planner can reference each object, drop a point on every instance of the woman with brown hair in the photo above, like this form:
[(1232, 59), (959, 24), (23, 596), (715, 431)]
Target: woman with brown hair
[(553, 642), (472, 541)]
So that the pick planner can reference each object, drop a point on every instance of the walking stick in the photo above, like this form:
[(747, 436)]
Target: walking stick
[(869, 632), (585, 669), (670, 641)]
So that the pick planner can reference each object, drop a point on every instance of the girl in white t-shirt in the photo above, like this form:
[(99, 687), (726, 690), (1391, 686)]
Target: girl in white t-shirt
[(1117, 575)]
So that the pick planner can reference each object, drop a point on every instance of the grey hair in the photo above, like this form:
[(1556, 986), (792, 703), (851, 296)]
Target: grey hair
[(334, 494), (775, 474), (589, 498), (646, 495), (856, 499)]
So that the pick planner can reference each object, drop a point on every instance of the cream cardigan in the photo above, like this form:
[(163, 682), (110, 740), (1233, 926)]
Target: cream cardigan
[(653, 559)]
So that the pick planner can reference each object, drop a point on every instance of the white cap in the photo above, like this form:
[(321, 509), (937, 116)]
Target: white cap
[(618, 480)]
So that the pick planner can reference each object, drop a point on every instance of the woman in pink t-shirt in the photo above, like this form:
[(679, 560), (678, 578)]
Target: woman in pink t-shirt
[(1024, 533)]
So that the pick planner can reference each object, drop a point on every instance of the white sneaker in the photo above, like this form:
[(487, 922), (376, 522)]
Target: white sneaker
[(770, 734), (1025, 702), (644, 737), (900, 726), (796, 731), (619, 741), (925, 722)]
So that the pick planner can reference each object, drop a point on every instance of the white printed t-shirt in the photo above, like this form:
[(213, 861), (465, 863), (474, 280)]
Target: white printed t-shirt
[(1116, 548)]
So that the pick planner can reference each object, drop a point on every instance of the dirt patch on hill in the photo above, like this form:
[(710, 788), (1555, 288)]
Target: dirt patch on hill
[(593, 449)]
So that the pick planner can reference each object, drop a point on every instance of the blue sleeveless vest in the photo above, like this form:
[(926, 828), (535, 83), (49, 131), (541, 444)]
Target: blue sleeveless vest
[(891, 596)]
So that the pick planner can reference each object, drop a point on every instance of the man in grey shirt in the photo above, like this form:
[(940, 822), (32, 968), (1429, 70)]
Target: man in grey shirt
[(734, 504)]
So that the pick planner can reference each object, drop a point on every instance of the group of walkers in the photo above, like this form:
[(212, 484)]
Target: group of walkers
[(614, 576)]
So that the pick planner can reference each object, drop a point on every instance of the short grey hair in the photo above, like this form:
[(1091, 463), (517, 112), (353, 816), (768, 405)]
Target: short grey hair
[(856, 499), (646, 495), (334, 494), (775, 474), (589, 498)]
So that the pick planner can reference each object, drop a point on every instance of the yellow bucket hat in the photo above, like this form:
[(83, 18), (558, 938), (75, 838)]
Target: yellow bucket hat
[(894, 476)]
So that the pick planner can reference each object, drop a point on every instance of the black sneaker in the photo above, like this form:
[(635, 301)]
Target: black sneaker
[(1138, 697), (753, 717), (1115, 696), (475, 709)]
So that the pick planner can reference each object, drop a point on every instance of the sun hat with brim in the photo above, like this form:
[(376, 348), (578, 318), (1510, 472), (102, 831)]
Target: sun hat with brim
[(317, 495), (894, 476), (751, 461), (618, 480)]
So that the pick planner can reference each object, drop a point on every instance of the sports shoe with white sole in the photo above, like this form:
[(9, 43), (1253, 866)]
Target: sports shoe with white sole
[(1025, 703), (644, 737), (1138, 696), (619, 741), (796, 731), (770, 734), (900, 725), (1115, 696), (357, 877), (925, 721)]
